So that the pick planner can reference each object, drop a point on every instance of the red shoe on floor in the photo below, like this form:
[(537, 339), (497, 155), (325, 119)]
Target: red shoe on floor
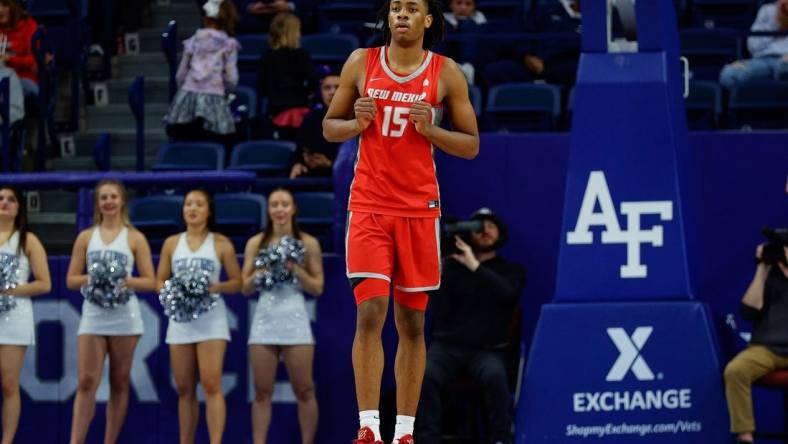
[(366, 436), (407, 439)]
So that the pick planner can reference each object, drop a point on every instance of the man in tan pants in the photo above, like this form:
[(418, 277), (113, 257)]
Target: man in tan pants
[(765, 304)]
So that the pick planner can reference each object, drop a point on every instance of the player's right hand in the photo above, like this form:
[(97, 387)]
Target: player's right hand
[(365, 110)]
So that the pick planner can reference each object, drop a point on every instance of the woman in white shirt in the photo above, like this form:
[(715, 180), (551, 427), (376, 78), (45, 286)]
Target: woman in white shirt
[(197, 347), (17, 328), (112, 332)]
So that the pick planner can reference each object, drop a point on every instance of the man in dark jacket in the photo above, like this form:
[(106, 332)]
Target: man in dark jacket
[(765, 303), (472, 313)]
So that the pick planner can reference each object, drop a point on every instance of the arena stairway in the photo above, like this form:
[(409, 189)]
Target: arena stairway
[(52, 214)]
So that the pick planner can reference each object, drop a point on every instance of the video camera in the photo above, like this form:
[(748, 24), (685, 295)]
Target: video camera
[(451, 226), (774, 251)]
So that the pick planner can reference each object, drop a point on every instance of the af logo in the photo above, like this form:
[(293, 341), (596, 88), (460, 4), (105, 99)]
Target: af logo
[(597, 191)]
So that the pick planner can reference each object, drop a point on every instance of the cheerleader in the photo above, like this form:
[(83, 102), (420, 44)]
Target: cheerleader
[(280, 326), (112, 332), (197, 347), (17, 329)]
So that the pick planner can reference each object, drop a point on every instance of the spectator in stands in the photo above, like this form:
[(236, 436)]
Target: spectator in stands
[(314, 156), (472, 312), (16, 49), (286, 76), (554, 59), (208, 71), (108, 332), (17, 327), (463, 12), (197, 347), (256, 15), (765, 303), (280, 326), (465, 18), (769, 54)]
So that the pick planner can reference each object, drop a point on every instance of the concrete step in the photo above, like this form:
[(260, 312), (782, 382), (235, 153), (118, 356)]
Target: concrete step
[(157, 89), (118, 163), (57, 231), (122, 143), (150, 39), (186, 14), (119, 117), (148, 65)]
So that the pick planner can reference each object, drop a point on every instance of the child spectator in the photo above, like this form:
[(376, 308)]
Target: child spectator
[(208, 70), (286, 76)]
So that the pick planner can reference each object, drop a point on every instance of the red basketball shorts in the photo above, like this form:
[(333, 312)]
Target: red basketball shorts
[(383, 249)]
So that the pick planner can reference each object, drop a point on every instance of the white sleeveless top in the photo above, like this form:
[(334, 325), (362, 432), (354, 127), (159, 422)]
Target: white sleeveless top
[(280, 318), (17, 326), (212, 324), (125, 320)]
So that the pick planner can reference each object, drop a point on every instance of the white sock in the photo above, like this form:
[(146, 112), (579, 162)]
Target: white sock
[(371, 419), (403, 427)]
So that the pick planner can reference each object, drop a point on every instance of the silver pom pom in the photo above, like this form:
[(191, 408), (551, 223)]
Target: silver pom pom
[(185, 296), (8, 280), (273, 260), (106, 287)]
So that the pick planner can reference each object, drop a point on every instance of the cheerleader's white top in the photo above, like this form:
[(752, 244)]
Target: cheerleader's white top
[(281, 318), (125, 320), (17, 326), (211, 325)]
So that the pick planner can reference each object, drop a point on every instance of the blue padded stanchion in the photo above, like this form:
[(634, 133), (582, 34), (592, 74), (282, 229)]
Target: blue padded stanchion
[(624, 354)]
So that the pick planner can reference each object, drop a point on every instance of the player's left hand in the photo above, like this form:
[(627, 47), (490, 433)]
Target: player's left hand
[(466, 256), (421, 116)]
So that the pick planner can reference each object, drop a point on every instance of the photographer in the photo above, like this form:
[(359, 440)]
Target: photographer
[(765, 303), (472, 313)]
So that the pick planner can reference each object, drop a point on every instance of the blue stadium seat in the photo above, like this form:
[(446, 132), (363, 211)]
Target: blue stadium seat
[(264, 156), (252, 48), (708, 50), (316, 215), (244, 102), (523, 107), (239, 215), (759, 105), (156, 211), (52, 11), (189, 156), (158, 217), (704, 105), (346, 16), (737, 14), (247, 79), (329, 48), (502, 15)]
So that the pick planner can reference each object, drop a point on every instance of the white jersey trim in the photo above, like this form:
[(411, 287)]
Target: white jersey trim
[(409, 77)]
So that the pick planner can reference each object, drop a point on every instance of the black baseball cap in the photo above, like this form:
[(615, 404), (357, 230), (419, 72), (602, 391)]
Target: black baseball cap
[(485, 213)]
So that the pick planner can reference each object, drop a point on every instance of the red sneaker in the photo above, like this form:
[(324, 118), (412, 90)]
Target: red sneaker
[(407, 439), (366, 436)]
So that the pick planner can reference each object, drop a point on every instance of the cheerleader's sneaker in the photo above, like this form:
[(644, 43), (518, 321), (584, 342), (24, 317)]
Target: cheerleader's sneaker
[(407, 439)]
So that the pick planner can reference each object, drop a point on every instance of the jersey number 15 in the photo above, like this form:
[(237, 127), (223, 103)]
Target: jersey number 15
[(396, 116)]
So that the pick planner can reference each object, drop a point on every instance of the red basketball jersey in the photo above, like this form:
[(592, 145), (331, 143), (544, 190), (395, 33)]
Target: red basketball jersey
[(395, 171)]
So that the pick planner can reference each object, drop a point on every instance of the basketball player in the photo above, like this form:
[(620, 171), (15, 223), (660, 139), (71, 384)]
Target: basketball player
[(391, 96)]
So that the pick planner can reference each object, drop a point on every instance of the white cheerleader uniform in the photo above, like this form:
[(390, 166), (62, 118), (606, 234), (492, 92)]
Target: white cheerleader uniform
[(124, 320), (17, 326), (280, 318), (212, 324)]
